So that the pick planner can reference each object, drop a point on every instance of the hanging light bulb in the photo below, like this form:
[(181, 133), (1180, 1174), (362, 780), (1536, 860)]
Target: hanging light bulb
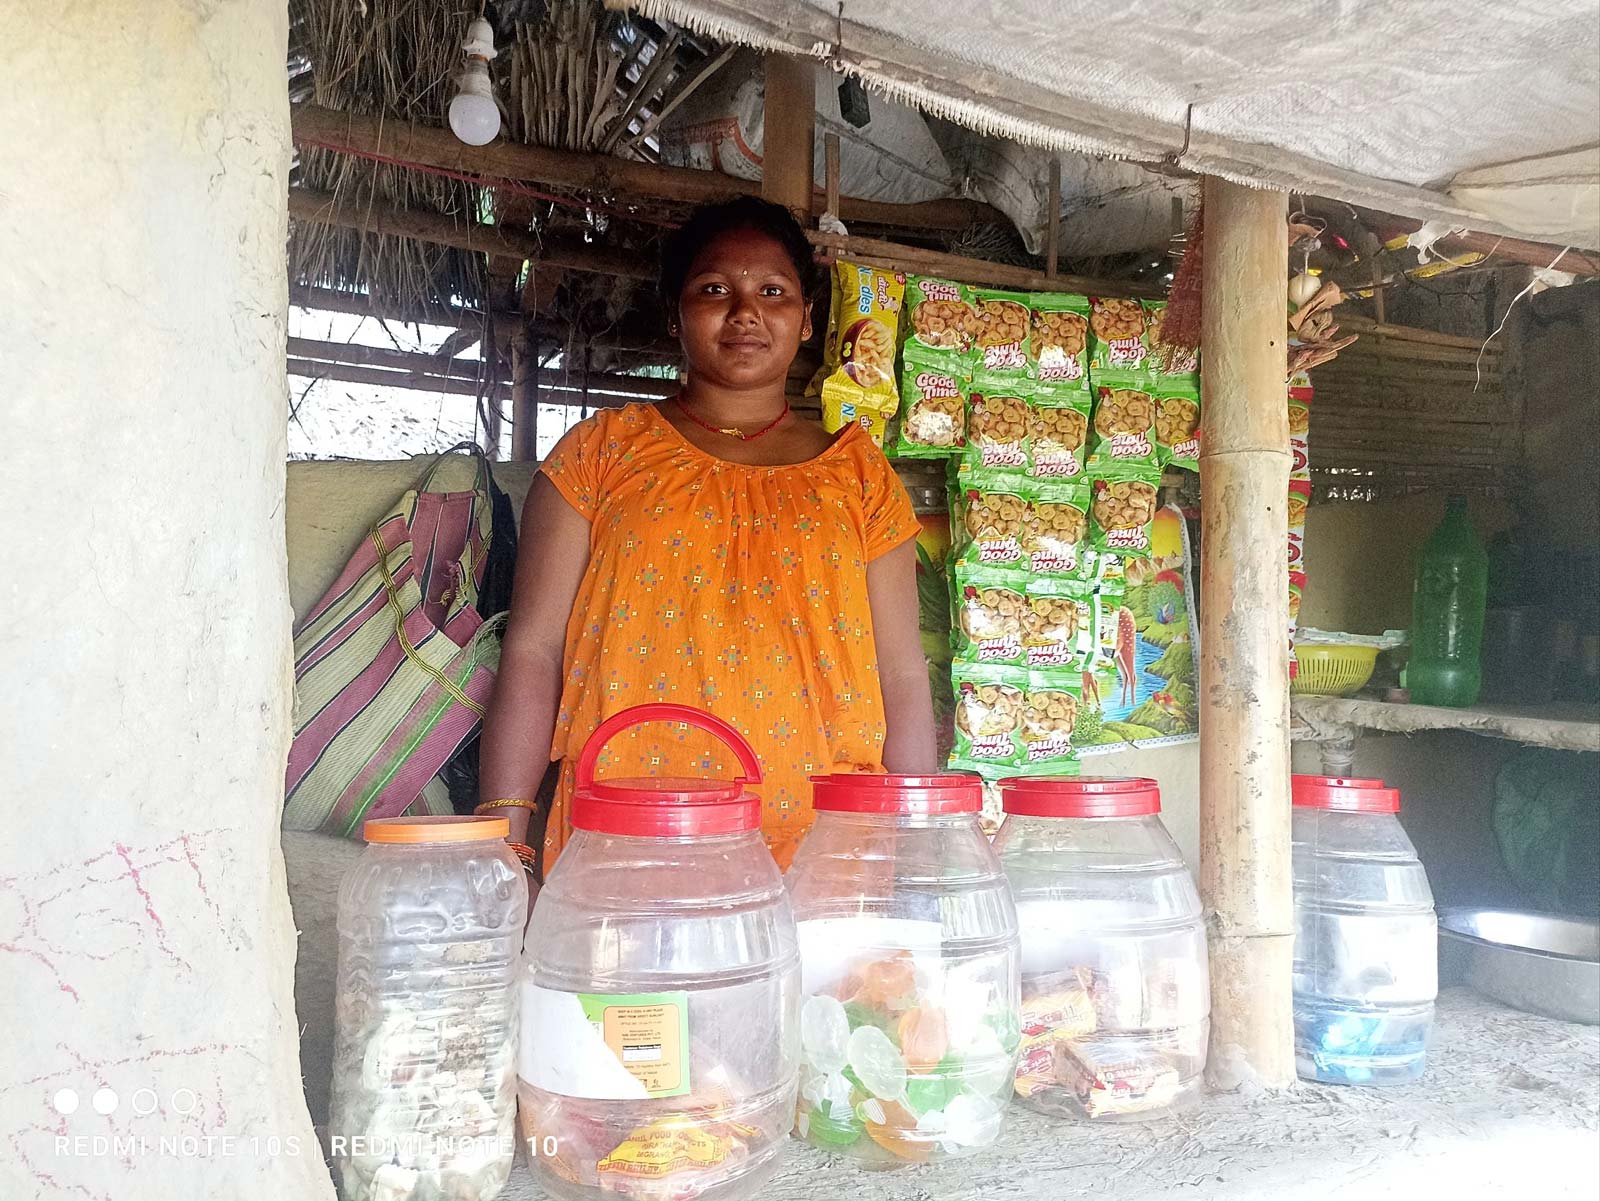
[(474, 116)]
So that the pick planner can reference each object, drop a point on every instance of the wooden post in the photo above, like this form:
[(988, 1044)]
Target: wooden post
[(1052, 219), (788, 129), (1244, 622), (830, 173)]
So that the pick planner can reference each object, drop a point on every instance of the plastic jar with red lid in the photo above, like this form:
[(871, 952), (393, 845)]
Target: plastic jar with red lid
[(660, 989), (1366, 939), (424, 1066), (908, 945), (1116, 998)]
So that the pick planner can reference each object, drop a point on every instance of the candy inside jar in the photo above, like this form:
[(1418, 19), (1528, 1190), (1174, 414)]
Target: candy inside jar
[(908, 1027)]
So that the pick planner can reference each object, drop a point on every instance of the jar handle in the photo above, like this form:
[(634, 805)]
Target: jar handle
[(666, 711)]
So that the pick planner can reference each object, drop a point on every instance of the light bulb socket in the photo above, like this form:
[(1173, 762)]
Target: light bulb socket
[(480, 41)]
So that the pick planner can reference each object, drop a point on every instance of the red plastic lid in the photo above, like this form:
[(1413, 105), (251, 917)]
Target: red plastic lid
[(1080, 796), (665, 806), (865, 792), (1343, 794)]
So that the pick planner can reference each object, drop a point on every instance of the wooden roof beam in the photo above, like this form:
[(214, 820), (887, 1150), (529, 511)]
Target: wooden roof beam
[(430, 146)]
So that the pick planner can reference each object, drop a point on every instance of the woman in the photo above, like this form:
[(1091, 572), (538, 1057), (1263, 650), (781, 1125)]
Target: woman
[(717, 551)]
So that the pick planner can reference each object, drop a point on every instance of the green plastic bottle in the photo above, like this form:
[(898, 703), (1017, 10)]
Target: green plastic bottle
[(1447, 613)]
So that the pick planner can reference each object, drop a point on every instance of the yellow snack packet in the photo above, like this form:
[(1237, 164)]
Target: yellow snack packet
[(857, 379)]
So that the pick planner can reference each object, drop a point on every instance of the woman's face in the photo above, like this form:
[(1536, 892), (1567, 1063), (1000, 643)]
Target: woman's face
[(741, 315)]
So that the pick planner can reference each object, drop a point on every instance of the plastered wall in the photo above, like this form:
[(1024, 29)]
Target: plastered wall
[(147, 1036)]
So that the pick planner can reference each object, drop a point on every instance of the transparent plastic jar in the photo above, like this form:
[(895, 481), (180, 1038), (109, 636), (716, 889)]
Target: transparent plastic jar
[(1116, 996), (1366, 965), (908, 946), (424, 1069), (660, 988)]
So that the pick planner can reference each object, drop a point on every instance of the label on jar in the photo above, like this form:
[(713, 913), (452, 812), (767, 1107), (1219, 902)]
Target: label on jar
[(605, 1046)]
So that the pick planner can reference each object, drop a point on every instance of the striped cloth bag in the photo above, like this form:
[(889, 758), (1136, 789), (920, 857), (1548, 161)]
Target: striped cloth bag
[(393, 667)]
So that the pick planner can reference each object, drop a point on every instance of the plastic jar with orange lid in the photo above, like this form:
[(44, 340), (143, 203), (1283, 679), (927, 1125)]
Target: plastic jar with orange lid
[(424, 1072), (1116, 996), (908, 946)]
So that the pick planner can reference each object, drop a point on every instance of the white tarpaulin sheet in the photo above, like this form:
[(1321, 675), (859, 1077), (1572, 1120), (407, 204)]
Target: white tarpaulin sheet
[(1382, 102)]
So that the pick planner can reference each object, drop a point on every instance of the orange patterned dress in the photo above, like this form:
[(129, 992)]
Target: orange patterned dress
[(739, 590)]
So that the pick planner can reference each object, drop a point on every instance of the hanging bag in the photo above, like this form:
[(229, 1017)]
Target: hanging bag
[(394, 666)]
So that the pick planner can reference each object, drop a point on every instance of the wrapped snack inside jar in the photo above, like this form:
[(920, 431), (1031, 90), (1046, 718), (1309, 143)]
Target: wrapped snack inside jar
[(857, 381), (941, 322), (1057, 626), (1060, 337), (1117, 333), (1000, 333), (1124, 426), (1177, 423), (933, 409), (994, 510), (908, 951), (1123, 508), (998, 421), (1057, 529), (989, 702), (1060, 431), (990, 603)]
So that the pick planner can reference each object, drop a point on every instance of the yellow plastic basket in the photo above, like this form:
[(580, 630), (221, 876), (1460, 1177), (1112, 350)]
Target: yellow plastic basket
[(1330, 670)]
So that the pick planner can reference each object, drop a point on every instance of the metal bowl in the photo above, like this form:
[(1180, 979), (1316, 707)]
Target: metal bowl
[(1537, 962)]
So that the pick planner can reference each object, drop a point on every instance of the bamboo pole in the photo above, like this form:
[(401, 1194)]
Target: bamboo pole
[(1052, 221), (1244, 621), (624, 179), (788, 133)]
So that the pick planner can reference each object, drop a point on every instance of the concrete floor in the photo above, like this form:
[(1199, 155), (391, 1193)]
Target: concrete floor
[(1510, 1107)]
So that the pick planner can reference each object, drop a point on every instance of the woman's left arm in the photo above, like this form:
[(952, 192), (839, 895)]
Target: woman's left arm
[(902, 669)]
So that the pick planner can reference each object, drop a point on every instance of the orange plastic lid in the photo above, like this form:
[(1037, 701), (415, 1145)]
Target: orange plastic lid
[(435, 829)]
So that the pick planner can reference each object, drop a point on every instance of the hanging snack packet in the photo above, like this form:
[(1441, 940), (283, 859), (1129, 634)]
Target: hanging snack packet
[(1056, 627), (994, 510), (1049, 713), (1116, 335), (1059, 332), (1124, 508), (989, 606), (1060, 431), (1001, 332), (989, 703), (1057, 529), (857, 375), (1124, 422), (1164, 360), (1177, 423), (997, 423), (941, 321), (933, 409)]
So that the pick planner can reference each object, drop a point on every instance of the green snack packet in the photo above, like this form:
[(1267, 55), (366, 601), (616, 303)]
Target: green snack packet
[(1164, 360), (1059, 433), (940, 321), (1055, 698), (1124, 426), (1124, 508), (1000, 332), (1177, 423), (933, 408), (1057, 626), (999, 421), (989, 702), (1058, 528), (1059, 332), (1117, 335), (990, 602), (993, 508)]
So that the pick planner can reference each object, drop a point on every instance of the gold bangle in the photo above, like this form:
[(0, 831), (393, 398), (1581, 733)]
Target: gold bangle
[(506, 803)]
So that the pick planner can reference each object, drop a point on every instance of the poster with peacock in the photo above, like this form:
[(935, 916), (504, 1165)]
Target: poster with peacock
[(1141, 690)]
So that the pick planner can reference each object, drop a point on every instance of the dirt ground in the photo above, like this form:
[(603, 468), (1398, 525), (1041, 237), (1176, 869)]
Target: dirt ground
[(1510, 1107)]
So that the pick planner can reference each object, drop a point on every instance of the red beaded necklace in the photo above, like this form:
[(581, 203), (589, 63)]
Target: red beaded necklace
[(731, 432)]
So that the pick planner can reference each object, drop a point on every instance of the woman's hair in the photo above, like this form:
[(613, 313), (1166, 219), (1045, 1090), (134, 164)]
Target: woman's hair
[(710, 221)]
